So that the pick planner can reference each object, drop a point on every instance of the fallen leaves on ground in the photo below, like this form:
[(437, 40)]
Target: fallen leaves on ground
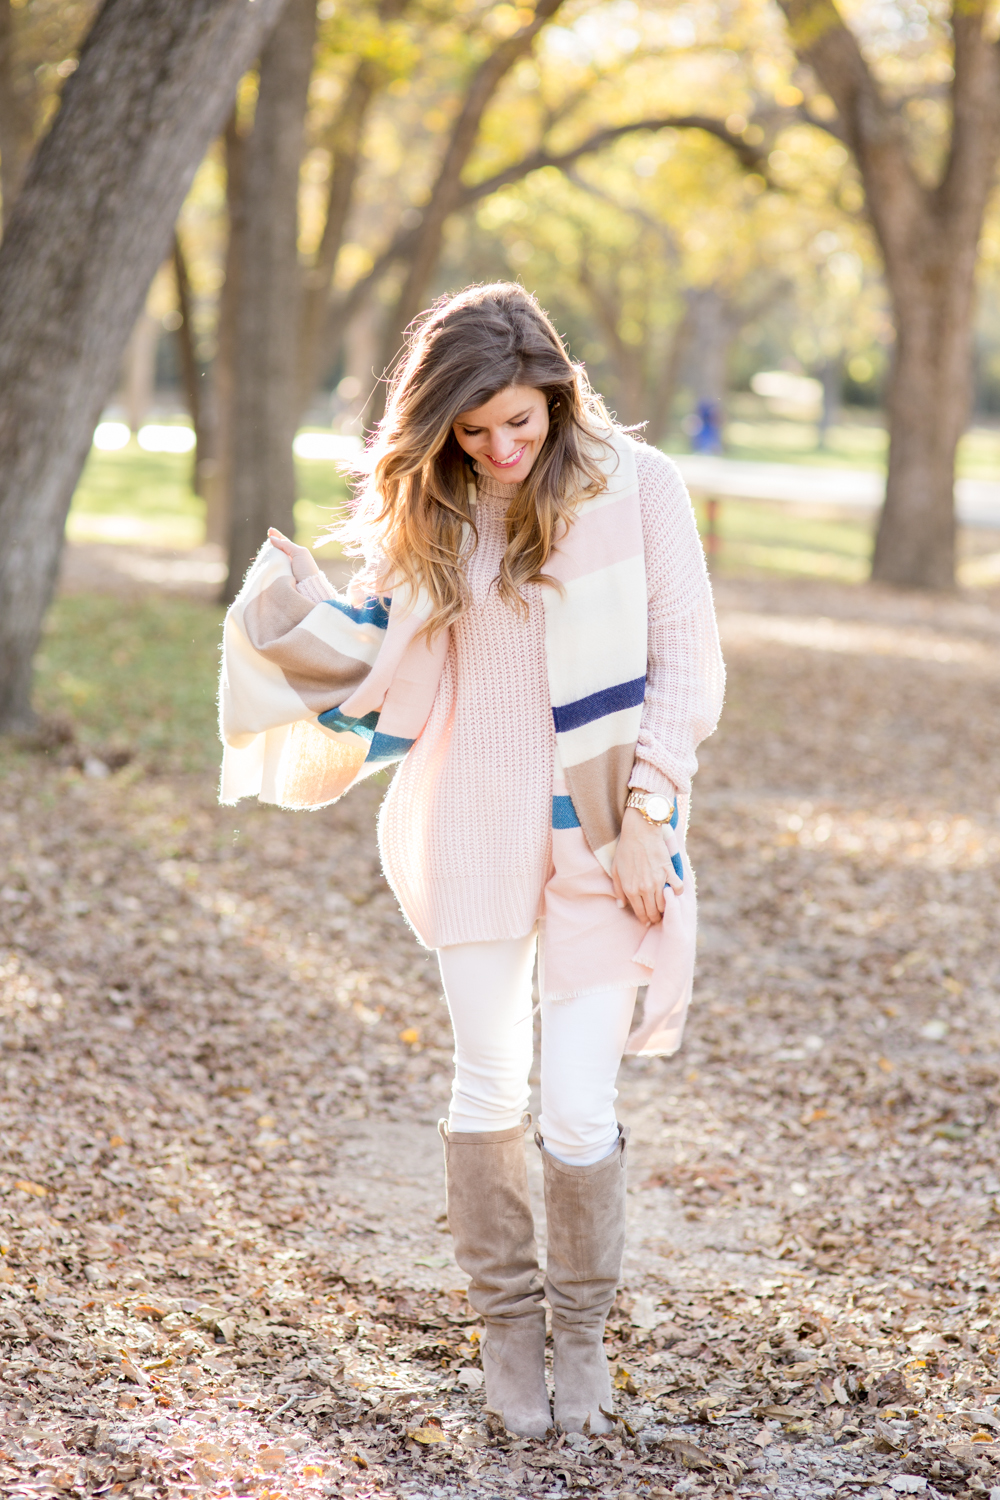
[(199, 1006)]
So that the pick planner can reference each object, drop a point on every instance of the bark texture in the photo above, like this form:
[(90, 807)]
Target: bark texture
[(218, 487), (89, 228), (16, 112), (266, 334), (928, 235), (344, 142), (190, 369)]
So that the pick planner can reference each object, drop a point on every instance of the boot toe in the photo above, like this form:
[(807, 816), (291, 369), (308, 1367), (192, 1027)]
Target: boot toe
[(595, 1424), (528, 1424), (582, 1379), (514, 1366)]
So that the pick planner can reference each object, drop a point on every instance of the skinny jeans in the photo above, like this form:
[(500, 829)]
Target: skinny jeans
[(489, 995)]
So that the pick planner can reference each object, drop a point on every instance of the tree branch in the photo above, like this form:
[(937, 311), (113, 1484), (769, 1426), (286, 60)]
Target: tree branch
[(897, 203), (749, 156), (447, 187), (975, 108), (404, 243)]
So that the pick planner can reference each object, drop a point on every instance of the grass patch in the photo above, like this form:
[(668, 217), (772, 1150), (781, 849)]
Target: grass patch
[(137, 676), (780, 539), (132, 496), (146, 499)]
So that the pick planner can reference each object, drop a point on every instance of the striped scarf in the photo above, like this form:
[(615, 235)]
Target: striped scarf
[(314, 697)]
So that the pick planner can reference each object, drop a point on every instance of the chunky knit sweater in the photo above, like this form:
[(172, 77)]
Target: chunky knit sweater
[(465, 830)]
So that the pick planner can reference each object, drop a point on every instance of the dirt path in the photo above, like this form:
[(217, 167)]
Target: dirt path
[(223, 1266)]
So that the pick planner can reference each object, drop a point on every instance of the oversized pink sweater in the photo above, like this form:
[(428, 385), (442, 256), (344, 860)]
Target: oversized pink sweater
[(465, 829)]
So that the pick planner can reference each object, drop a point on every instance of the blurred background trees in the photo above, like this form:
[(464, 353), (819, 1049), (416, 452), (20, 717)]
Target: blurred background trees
[(700, 194)]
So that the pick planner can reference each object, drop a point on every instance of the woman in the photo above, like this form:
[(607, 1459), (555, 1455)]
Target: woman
[(563, 595)]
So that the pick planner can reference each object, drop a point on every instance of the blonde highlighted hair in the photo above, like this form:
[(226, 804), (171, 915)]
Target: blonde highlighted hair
[(413, 505)]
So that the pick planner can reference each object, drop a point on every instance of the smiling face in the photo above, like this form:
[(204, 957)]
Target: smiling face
[(506, 434)]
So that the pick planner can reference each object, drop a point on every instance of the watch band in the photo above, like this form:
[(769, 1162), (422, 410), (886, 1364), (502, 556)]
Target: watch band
[(640, 801)]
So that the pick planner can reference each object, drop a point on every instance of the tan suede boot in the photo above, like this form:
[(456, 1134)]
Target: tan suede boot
[(585, 1209), (489, 1214)]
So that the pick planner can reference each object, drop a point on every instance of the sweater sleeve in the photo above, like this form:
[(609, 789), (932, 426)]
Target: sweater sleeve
[(685, 674)]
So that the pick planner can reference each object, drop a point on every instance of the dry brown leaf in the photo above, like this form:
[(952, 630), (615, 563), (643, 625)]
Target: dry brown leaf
[(34, 1188), (427, 1435)]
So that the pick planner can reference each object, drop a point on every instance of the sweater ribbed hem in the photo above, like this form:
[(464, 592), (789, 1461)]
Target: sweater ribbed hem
[(481, 909), (646, 778)]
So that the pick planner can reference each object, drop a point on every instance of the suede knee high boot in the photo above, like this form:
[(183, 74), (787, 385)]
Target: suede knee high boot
[(585, 1210), (489, 1214)]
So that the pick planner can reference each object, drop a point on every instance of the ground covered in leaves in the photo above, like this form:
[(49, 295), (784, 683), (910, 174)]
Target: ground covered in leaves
[(223, 1266)]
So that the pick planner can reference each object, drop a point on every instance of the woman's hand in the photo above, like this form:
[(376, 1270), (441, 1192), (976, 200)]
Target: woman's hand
[(642, 867), (304, 565), (309, 581)]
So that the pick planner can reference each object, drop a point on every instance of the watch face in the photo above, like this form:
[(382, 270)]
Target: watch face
[(658, 809)]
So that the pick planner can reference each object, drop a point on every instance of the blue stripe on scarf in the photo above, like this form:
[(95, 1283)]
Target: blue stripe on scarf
[(597, 705), (372, 612), (564, 813), (387, 747), (344, 724), (678, 865)]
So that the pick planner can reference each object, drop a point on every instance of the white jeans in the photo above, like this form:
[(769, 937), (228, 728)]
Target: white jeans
[(488, 989)]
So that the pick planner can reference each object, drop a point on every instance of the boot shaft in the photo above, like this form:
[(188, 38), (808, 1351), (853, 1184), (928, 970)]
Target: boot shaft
[(490, 1218), (585, 1214)]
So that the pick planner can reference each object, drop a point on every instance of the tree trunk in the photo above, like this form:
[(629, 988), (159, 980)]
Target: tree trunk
[(15, 114), (345, 145), (929, 238), (832, 379), (89, 228), (928, 405), (191, 372), (139, 372), (218, 489), (660, 402), (713, 329), (265, 409), (627, 359)]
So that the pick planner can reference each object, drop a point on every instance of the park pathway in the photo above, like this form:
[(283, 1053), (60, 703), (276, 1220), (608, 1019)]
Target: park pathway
[(224, 1268)]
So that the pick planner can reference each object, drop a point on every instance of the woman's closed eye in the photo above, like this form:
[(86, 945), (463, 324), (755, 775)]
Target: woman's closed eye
[(471, 432)]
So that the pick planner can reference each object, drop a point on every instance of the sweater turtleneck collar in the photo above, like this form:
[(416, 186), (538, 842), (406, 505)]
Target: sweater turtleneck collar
[(488, 488)]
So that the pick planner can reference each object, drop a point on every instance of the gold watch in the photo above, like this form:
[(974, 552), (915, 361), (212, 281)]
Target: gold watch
[(655, 808)]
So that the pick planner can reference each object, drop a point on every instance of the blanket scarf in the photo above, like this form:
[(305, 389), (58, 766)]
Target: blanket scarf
[(314, 697)]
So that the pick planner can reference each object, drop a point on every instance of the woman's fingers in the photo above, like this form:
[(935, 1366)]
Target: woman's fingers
[(643, 901), (643, 868), (279, 540)]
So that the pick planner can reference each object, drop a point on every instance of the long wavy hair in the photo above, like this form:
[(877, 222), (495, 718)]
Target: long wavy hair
[(413, 504)]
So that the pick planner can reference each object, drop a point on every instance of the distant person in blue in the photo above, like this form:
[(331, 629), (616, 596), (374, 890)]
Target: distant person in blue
[(707, 436)]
